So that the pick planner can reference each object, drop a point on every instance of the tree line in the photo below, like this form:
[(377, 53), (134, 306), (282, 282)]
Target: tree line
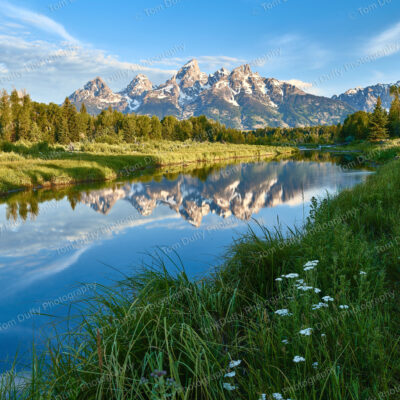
[(375, 126), (23, 119)]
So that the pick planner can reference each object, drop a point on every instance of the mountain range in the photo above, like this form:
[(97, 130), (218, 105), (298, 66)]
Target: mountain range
[(365, 98), (239, 99)]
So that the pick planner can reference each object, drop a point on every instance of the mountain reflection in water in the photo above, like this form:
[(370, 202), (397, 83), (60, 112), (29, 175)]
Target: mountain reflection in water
[(50, 240), (240, 190)]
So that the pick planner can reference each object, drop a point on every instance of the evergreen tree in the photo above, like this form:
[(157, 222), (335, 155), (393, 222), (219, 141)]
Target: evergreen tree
[(378, 123), (83, 109), (394, 113), (5, 117), (71, 116), (24, 119), (129, 128), (15, 110), (61, 129)]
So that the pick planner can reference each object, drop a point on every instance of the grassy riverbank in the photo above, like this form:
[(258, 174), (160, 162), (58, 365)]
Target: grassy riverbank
[(335, 337), (27, 166), (378, 152)]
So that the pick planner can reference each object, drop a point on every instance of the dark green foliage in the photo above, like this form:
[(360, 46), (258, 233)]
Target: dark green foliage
[(356, 125), (394, 113), (22, 119), (378, 123)]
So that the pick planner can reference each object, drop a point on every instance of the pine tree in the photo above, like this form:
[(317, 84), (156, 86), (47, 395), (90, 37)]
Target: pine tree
[(394, 113), (83, 109), (5, 117), (71, 115), (24, 119), (15, 110), (61, 129), (378, 123)]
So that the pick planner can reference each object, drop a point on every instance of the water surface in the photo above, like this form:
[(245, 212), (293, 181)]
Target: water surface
[(52, 242)]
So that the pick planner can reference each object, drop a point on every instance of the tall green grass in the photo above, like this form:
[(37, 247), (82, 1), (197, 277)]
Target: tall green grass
[(162, 336), (24, 165)]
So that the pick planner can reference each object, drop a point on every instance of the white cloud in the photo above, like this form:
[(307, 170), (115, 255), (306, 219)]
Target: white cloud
[(299, 84), (3, 68), (50, 71), (36, 20), (386, 43)]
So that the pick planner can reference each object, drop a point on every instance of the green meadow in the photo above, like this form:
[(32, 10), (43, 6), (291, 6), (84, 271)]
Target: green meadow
[(24, 165)]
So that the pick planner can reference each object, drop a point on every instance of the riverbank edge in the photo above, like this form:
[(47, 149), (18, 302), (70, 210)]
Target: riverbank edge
[(136, 164)]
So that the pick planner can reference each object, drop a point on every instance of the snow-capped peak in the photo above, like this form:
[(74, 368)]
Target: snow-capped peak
[(96, 86), (353, 91), (138, 86)]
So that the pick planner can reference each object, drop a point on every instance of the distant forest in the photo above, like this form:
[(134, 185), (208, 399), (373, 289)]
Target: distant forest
[(23, 119)]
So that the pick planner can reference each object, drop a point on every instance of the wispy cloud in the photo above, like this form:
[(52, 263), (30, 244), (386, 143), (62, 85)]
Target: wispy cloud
[(300, 84), (24, 62), (386, 43), (296, 52), (38, 21)]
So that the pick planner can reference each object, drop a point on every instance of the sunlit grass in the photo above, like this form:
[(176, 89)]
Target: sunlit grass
[(23, 165), (158, 335)]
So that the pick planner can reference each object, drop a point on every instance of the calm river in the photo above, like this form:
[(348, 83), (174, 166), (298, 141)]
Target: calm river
[(55, 243)]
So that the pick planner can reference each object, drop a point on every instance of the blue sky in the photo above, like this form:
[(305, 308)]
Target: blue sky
[(52, 47)]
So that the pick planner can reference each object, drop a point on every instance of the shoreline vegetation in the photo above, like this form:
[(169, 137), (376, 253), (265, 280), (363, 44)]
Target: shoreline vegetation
[(45, 145), (28, 166), (312, 315)]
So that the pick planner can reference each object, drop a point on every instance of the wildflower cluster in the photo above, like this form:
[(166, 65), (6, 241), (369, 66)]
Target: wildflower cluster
[(300, 287), (231, 374)]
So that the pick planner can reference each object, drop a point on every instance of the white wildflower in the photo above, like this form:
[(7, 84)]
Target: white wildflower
[(323, 335), (285, 341), (310, 265), (316, 290), (292, 275), (279, 279), (230, 374), (263, 397), (305, 288), (319, 305), (306, 332), (363, 273), (298, 359), (277, 396), (315, 365), (283, 313), (234, 364), (300, 281), (327, 298), (344, 307), (228, 386)]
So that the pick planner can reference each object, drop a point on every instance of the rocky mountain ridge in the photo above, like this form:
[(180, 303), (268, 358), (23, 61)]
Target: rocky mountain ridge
[(240, 98), (364, 99)]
